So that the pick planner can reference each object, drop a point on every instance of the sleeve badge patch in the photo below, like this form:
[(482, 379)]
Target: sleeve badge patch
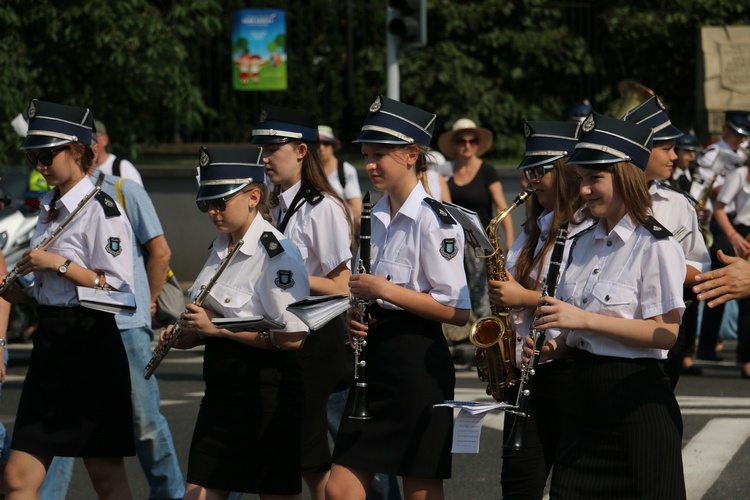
[(114, 247), (448, 248), (284, 279)]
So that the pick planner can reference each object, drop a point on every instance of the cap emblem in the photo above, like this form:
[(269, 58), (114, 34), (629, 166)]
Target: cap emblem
[(375, 106), (263, 115), (204, 159), (526, 130), (32, 110), (588, 124)]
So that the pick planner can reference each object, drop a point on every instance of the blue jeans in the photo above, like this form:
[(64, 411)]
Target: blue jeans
[(153, 440)]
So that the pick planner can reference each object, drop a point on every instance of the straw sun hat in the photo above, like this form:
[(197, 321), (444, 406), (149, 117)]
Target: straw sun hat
[(463, 125)]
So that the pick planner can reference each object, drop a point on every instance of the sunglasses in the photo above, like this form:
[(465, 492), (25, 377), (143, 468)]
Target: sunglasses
[(536, 173), (45, 157), (461, 142), (219, 204)]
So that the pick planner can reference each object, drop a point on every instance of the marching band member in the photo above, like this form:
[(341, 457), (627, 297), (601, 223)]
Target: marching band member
[(417, 282), (734, 133), (247, 437), (618, 307), (736, 191), (76, 395), (309, 212), (555, 199), (676, 212)]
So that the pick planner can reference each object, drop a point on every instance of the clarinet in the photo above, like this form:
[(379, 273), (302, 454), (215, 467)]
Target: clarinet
[(161, 353), (13, 276), (360, 410), (528, 371)]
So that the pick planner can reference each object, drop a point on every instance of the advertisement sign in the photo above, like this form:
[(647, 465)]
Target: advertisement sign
[(259, 49)]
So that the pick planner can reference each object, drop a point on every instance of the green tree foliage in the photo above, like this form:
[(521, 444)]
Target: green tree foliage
[(160, 71), (127, 60)]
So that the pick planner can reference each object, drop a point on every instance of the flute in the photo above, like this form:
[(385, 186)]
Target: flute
[(528, 371), (161, 353), (360, 409), (13, 276)]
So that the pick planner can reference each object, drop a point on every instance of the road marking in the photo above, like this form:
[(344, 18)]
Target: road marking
[(709, 452)]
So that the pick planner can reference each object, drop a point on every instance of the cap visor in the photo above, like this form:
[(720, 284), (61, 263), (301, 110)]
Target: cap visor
[(213, 192), (669, 132), (41, 141), (379, 137), (740, 129), (535, 161), (269, 139), (593, 157)]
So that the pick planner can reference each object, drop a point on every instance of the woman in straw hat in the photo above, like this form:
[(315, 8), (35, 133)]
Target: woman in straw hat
[(475, 186)]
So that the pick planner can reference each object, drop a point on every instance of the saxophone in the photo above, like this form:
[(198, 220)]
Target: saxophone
[(700, 205), (493, 335)]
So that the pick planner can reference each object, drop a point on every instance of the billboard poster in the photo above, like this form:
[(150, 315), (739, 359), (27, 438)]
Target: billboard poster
[(259, 49)]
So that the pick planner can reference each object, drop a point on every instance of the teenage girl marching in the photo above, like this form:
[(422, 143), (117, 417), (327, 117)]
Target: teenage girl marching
[(309, 212), (76, 396), (618, 306), (555, 200), (247, 437), (417, 283)]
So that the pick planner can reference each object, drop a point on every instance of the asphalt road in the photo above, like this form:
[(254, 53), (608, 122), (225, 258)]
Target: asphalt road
[(715, 409)]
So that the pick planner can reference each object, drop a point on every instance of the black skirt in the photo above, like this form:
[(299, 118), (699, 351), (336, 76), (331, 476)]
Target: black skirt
[(409, 369), (327, 367), (622, 436), (247, 437), (76, 396)]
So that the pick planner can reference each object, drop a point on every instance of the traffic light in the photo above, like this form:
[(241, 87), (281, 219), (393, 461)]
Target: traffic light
[(408, 21)]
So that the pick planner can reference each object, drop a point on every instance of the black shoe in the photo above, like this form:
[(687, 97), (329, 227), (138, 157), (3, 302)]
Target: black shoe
[(692, 370), (709, 356)]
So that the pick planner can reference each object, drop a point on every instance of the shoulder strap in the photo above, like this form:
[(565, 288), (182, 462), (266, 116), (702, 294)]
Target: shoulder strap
[(342, 178), (108, 204), (306, 193), (440, 210), (120, 197), (271, 244), (116, 167), (656, 228)]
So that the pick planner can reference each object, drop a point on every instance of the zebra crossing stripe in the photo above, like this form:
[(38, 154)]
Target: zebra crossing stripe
[(709, 452)]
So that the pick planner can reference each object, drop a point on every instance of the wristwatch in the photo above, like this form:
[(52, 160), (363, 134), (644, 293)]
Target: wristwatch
[(64, 268)]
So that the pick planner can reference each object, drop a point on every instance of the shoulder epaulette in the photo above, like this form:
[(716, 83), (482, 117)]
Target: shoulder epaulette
[(108, 204), (311, 195), (440, 210), (271, 244), (656, 228)]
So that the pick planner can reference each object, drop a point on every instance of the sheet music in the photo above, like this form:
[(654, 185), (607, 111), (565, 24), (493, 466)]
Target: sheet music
[(469, 220)]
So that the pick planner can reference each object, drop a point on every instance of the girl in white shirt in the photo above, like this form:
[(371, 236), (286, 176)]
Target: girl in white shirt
[(618, 306)]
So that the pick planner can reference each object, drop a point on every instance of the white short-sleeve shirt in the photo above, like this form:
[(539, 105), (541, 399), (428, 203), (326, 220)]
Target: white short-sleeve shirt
[(92, 239), (321, 232), (628, 273), (736, 190), (418, 251), (351, 189), (675, 211), (127, 169), (255, 283)]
